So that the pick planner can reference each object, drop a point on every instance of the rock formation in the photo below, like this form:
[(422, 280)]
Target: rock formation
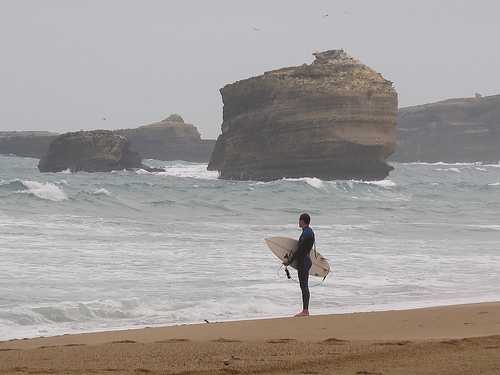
[(90, 151), (170, 139), (332, 119), (25, 143), (455, 130)]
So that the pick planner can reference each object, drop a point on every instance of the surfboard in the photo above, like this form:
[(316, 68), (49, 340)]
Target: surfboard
[(283, 248)]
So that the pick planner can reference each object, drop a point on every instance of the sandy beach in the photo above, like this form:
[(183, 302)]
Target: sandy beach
[(462, 339)]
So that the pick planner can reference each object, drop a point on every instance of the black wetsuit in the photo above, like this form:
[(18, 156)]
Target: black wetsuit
[(303, 262)]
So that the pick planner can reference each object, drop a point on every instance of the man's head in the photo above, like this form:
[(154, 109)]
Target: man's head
[(304, 220)]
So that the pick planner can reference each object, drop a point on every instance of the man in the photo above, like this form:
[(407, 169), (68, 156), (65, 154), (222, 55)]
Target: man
[(303, 261)]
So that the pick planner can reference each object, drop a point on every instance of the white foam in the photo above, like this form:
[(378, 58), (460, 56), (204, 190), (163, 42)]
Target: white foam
[(485, 226), (63, 182), (382, 183), (66, 171), (45, 190), (311, 181), (456, 170), (102, 191), (189, 170), (445, 164), (494, 184), (142, 171)]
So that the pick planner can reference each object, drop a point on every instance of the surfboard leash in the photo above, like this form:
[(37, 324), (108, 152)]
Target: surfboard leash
[(289, 276)]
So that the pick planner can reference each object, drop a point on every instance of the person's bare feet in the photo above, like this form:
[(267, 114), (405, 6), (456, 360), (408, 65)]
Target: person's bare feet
[(303, 313)]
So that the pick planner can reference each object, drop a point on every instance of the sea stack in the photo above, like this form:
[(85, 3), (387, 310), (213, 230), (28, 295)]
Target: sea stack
[(89, 151), (332, 119), (169, 139)]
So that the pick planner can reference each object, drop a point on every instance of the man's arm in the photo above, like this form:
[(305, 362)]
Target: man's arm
[(304, 247)]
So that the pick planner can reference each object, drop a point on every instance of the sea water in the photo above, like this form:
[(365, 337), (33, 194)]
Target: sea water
[(84, 252)]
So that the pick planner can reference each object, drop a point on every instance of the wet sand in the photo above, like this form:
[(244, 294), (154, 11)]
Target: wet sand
[(462, 339)]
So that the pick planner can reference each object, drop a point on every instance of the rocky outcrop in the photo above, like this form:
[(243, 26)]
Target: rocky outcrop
[(170, 139), (31, 144), (332, 119), (90, 151), (455, 130)]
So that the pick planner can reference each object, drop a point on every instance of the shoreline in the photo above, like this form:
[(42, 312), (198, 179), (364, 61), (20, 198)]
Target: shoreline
[(457, 339), (381, 309), (227, 325)]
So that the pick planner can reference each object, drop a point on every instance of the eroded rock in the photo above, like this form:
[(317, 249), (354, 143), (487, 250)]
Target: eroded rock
[(90, 151), (332, 119), (454, 130), (170, 139)]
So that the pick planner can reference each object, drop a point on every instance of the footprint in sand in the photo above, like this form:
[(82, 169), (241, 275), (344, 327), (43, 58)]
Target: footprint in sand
[(393, 343), (281, 341), (222, 339), (171, 341), (334, 341), (124, 342), (449, 342)]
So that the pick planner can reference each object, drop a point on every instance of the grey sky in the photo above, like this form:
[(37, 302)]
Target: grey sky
[(67, 64)]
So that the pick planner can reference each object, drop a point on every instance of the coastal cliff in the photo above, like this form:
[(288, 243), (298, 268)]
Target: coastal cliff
[(90, 151), (31, 144), (332, 119), (454, 130), (170, 139)]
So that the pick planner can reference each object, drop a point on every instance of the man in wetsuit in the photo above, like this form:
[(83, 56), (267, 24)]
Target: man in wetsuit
[(303, 261)]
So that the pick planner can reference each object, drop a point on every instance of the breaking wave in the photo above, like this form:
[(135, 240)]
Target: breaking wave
[(311, 181), (102, 191), (134, 248), (182, 169), (43, 190), (456, 170)]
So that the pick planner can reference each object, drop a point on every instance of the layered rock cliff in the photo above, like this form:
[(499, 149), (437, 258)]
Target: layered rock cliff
[(90, 151), (455, 130), (332, 119), (170, 139), (26, 143)]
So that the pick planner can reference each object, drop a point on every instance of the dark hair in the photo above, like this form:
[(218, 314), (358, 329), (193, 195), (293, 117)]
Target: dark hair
[(306, 218)]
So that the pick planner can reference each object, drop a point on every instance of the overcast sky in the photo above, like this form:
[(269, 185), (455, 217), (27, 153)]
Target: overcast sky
[(66, 65)]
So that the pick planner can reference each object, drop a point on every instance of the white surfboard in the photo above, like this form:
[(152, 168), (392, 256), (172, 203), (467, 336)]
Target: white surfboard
[(283, 248)]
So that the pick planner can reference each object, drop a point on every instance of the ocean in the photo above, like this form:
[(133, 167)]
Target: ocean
[(83, 252)]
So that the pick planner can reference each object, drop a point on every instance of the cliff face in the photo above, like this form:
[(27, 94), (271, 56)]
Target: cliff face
[(90, 151), (455, 130), (332, 119), (170, 139), (26, 144)]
